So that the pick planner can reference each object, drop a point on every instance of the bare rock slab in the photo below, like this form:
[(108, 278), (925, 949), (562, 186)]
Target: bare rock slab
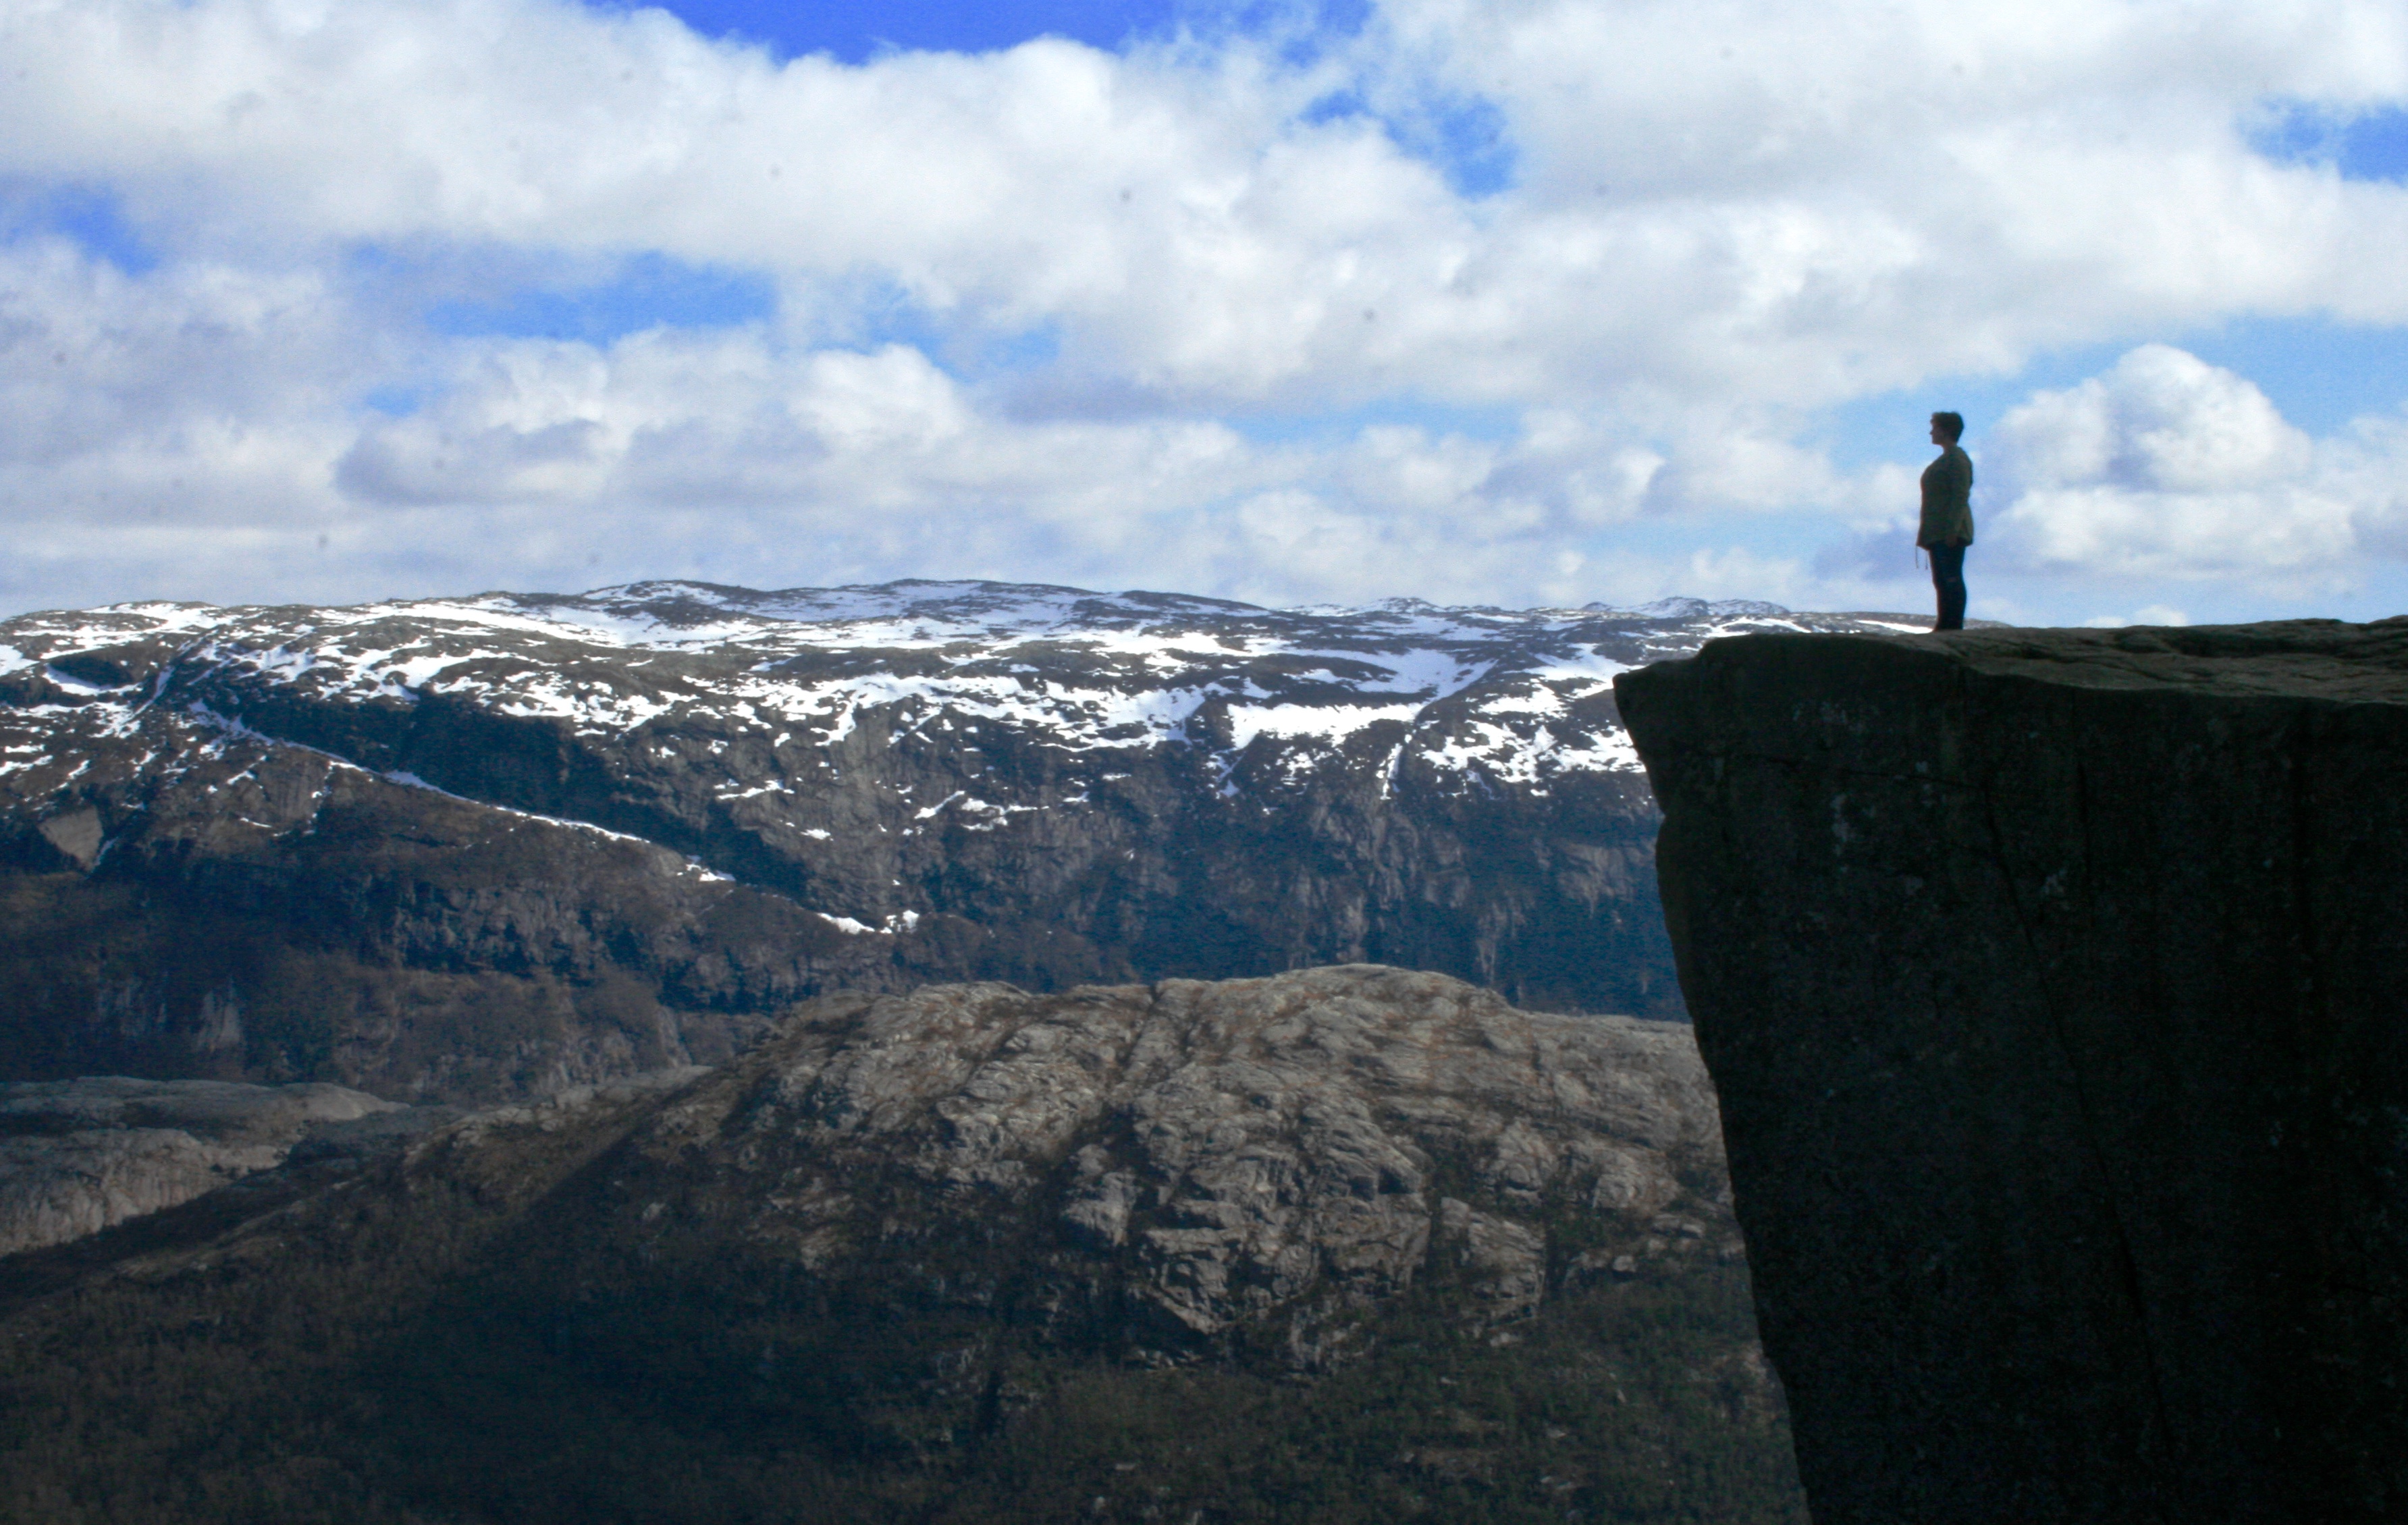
[(1205, 1158), (76, 1156), (2050, 983)]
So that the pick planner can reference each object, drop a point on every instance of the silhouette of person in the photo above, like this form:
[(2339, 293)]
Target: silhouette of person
[(1947, 526)]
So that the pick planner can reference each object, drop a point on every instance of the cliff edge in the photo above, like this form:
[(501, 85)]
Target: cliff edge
[(2051, 982)]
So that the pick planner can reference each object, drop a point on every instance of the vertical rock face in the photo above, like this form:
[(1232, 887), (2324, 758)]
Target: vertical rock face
[(2052, 985)]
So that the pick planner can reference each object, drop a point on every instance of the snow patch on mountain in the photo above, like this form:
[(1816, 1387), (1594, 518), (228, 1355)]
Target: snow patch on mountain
[(1493, 698), (1330, 722)]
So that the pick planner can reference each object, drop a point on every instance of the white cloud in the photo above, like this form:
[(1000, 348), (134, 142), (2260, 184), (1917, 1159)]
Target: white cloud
[(208, 388), (2168, 466), (2154, 614), (1722, 218)]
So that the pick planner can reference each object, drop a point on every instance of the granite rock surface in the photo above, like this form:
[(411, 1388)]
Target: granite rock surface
[(2050, 984), (1192, 1157), (1179, 1165), (1357, 1242), (77, 1156)]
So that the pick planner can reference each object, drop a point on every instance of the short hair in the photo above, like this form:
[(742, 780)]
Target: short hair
[(1952, 423)]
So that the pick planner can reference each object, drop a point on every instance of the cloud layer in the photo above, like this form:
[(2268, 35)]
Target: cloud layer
[(1537, 300)]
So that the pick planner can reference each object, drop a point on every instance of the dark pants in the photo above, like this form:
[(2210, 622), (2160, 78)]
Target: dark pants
[(1948, 581)]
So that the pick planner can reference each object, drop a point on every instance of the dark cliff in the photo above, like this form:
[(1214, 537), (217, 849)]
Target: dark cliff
[(2050, 982)]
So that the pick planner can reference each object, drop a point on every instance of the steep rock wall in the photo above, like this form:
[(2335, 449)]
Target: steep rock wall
[(2050, 982), (270, 914)]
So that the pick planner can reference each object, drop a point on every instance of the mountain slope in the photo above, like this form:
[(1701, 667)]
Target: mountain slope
[(1342, 1244), (484, 847)]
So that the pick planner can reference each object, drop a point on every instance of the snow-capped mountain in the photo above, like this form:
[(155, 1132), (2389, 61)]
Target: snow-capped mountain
[(329, 842)]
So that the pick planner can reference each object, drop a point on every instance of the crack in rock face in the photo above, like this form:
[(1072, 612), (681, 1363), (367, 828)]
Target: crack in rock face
[(1190, 1158)]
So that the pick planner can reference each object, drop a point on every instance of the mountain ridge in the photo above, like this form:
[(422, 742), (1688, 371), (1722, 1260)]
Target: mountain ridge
[(639, 821)]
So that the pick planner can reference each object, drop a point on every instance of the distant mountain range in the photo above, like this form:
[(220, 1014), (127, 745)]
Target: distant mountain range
[(466, 849)]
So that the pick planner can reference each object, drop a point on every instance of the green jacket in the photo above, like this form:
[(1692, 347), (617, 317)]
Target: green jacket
[(1947, 500)]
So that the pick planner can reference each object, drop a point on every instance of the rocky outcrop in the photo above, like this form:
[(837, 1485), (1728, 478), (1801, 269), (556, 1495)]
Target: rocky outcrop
[(1193, 1156), (1280, 1155), (77, 1156), (2050, 983), (1358, 1242)]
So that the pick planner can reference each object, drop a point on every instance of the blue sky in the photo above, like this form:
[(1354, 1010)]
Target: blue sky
[(856, 33), (1544, 301)]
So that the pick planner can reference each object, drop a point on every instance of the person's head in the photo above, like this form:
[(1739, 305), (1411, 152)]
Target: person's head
[(1947, 428)]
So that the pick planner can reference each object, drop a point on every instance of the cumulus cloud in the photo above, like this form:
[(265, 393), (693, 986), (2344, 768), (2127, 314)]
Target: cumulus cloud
[(2166, 466), (209, 388), (1028, 307), (2154, 614)]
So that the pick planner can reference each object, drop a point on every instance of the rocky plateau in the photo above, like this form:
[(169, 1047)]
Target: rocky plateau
[(1282, 1153)]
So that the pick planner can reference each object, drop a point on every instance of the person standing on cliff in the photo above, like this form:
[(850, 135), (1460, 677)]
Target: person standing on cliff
[(1947, 527)]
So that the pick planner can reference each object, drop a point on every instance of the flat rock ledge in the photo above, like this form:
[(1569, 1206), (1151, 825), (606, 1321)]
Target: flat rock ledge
[(2051, 984)]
